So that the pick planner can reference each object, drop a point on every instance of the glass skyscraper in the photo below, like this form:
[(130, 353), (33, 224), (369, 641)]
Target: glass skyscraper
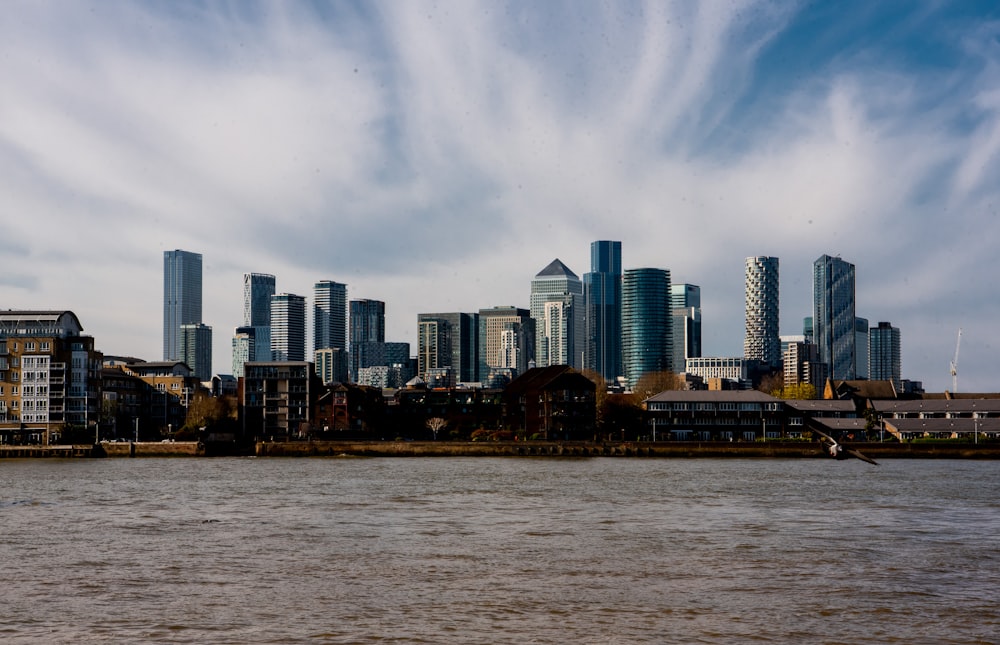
[(762, 341), (258, 288), (833, 316), (557, 309), (329, 315), (885, 355), (602, 288), (288, 327), (181, 298), (367, 326), (647, 337), (448, 344)]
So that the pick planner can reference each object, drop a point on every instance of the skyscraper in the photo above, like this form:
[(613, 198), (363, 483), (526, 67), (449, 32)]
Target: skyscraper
[(329, 315), (557, 309), (258, 288), (647, 336), (196, 349), (181, 298), (602, 288), (506, 343), (885, 355), (833, 316), (685, 309), (367, 326), (762, 341), (288, 327), (447, 346)]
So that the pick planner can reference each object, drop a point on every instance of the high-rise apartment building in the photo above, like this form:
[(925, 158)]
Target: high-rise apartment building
[(196, 349), (762, 341), (447, 348), (557, 308), (288, 327), (833, 316), (258, 288), (245, 348), (885, 355), (181, 297), (685, 310), (647, 335), (602, 288), (329, 315), (367, 325), (861, 348), (506, 344)]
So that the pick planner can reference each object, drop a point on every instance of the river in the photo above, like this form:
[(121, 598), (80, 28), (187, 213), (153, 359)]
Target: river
[(499, 550)]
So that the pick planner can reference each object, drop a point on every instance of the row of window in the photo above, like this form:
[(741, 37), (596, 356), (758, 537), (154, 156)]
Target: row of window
[(712, 407), (29, 346)]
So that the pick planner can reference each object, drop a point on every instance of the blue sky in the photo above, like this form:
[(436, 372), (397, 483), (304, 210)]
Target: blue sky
[(437, 155)]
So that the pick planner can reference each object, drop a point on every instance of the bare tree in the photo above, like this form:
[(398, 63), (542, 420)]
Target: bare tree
[(435, 425)]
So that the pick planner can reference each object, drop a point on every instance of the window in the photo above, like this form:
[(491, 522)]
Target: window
[(45, 346), (29, 346)]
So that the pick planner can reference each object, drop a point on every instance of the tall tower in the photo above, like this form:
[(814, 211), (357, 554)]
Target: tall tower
[(506, 344), (602, 288), (646, 323), (762, 341), (557, 309), (833, 316), (329, 315), (885, 355), (288, 327), (181, 298), (196, 349), (367, 326), (257, 291), (685, 309), (447, 344)]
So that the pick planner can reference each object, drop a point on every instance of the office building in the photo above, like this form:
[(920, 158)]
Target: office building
[(833, 316), (448, 347), (556, 306), (761, 341), (258, 289), (245, 348), (367, 325), (331, 365), (196, 349), (288, 327), (181, 297), (685, 311), (647, 334), (861, 348), (329, 315), (602, 288), (506, 344), (885, 355)]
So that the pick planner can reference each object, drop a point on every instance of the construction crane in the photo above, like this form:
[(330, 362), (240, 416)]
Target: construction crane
[(954, 364)]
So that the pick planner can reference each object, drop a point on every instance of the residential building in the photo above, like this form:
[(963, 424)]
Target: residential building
[(800, 363), (555, 403), (151, 397), (196, 349), (761, 341), (647, 335), (833, 315), (50, 377), (245, 347), (448, 346), (277, 400), (556, 306), (506, 344), (685, 311), (258, 289), (861, 348), (727, 415), (331, 365), (735, 368), (329, 315), (383, 364), (367, 325), (181, 297), (885, 355), (288, 327), (602, 288)]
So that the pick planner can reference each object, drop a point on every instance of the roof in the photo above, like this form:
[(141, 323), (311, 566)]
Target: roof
[(29, 321), (539, 378), (821, 405), (866, 389), (710, 396), (555, 268), (944, 425), (937, 406)]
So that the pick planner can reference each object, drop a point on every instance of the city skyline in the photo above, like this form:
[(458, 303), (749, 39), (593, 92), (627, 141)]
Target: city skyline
[(473, 145)]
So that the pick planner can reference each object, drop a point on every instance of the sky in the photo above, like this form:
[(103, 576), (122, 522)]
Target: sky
[(437, 155)]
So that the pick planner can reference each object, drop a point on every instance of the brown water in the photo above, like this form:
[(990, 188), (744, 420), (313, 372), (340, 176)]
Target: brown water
[(515, 550)]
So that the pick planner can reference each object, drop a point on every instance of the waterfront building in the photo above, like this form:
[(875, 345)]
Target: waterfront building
[(329, 315), (448, 347), (553, 403), (278, 399), (833, 315), (196, 349), (728, 415), (885, 355), (50, 377), (761, 341), (602, 288), (647, 335), (556, 306), (367, 325), (258, 289), (506, 344), (151, 399), (181, 297), (685, 312), (288, 327)]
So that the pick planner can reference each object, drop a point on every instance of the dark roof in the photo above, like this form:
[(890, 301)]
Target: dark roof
[(539, 378), (937, 405), (944, 425), (556, 268), (866, 389), (821, 405), (710, 396)]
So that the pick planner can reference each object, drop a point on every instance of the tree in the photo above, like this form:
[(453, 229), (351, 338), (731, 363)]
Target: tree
[(652, 383), (435, 425), (600, 394), (772, 384), (206, 411)]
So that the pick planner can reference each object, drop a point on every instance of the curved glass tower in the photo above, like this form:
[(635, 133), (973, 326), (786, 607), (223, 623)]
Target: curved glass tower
[(647, 335)]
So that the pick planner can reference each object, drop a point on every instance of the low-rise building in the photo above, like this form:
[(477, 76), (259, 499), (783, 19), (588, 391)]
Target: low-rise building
[(554, 403)]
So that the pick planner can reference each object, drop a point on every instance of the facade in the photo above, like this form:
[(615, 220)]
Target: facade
[(731, 415), (245, 348), (277, 400), (647, 334), (885, 355), (329, 315), (861, 348), (367, 326), (382, 364), (288, 327), (161, 392), (552, 403), (50, 377), (800, 363), (556, 306), (762, 341), (602, 289), (196, 349), (833, 316), (685, 311), (448, 346), (258, 289), (331, 365), (506, 344), (181, 297), (734, 368)]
